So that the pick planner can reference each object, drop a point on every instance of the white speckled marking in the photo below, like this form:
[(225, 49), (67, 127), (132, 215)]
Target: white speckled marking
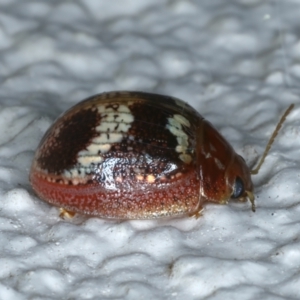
[(150, 178), (116, 120), (86, 161), (175, 127), (185, 158), (219, 164), (182, 120), (208, 155), (212, 148)]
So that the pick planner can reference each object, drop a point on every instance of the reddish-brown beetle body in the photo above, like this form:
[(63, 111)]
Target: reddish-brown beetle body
[(134, 155)]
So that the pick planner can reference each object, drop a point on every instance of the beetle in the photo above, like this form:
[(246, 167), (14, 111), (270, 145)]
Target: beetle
[(137, 155)]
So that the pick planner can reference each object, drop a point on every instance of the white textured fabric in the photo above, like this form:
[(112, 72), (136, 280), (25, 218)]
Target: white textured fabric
[(237, 62)]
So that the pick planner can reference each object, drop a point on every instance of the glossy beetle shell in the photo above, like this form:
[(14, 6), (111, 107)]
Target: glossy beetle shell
[(134, 155)]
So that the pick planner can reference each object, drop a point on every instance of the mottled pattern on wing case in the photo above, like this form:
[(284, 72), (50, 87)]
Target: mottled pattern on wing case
[(121, 155)]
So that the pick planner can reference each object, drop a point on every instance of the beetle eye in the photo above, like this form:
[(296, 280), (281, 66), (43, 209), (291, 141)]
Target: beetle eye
[(238, 189)]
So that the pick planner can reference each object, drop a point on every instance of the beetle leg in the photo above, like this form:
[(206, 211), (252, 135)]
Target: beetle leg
[(198, 213), (66, 214)]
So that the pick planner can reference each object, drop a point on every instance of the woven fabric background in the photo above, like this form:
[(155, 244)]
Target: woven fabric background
[(237, 62)]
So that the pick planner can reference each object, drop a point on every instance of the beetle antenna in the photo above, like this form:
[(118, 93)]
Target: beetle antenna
[(251, 199), (255, 171)]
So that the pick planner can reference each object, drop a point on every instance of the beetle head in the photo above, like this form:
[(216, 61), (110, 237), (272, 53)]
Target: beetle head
[(239, 180), (224, 175)]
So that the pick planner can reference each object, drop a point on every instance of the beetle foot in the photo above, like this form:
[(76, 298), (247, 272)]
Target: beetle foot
[(198, 213), (66, 214)]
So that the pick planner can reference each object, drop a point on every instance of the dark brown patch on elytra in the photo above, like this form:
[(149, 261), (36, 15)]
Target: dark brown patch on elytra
[(152, 137), (76, 131)]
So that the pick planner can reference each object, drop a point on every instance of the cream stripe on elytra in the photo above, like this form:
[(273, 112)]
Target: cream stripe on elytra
[(175, 127), (115, 122)]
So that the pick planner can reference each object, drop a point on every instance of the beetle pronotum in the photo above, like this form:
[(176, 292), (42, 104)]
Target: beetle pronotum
[(135, 155)]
